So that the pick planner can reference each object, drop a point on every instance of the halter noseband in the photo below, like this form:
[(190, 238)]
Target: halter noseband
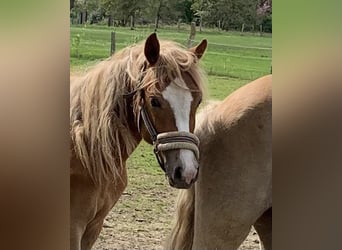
[(167, 140)]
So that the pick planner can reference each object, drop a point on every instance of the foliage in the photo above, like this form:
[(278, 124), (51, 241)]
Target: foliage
[(75, 44), (228, 14), (266, 22)]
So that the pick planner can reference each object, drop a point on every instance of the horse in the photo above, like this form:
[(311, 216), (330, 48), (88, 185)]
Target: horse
[(148, 91), (234, 186)]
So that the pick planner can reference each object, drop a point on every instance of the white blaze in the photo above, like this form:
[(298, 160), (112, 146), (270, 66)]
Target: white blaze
[(180, 98)]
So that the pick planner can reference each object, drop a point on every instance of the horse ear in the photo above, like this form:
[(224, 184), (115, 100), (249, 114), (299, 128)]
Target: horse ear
[(200, 48), (152, 48)]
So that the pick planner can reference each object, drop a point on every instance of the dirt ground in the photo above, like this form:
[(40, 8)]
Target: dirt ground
[(142, 218)]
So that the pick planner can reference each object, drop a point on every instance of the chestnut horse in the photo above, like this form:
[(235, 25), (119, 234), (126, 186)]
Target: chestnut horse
[(148, 91), (234, 187)]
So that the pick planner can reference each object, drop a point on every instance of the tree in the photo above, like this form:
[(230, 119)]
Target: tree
[(264, 12), (158, 15), (230, 13), (84, 8), (122, 9)]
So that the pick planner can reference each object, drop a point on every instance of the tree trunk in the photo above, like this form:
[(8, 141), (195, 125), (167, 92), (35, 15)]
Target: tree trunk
[(110, 21), (158, 16), (81, 17), (132, 23)]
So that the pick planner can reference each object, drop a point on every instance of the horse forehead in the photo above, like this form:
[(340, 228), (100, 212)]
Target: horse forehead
[(189, 80), (179, 97), (177, 93)]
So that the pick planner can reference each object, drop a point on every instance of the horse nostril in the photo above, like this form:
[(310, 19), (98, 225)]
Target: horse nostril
[(177, 173)]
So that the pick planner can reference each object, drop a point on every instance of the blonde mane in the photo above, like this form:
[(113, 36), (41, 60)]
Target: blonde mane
[(182, 233), (98, 111)]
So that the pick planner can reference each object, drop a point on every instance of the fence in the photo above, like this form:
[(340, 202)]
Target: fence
[(228, 54)]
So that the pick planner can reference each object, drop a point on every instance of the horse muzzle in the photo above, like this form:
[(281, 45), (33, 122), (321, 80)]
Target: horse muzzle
[(178, 155), (178, 179)]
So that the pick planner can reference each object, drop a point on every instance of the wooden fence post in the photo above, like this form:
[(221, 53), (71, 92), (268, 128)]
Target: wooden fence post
[(192, 34), (112, 43)]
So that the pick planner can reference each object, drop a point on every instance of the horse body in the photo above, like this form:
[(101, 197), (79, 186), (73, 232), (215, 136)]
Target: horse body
[(90, 203), (122, 100), (234, 187)]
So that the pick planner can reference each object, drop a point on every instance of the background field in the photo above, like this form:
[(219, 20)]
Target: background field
[(142, 218)]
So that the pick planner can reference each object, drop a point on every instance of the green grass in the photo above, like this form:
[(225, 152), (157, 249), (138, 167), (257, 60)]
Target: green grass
[(229, 54), (220, 87)]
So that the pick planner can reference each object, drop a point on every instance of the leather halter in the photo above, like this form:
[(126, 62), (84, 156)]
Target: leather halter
[(164, 141)]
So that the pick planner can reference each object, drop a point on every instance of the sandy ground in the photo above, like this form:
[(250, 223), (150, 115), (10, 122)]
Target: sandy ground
[(142, 218)]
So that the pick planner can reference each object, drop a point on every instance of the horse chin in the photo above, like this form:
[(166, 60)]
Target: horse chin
[(180, 185)]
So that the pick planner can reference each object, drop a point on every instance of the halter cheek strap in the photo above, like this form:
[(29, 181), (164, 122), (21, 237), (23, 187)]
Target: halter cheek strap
[(152, 132), (148, 124)]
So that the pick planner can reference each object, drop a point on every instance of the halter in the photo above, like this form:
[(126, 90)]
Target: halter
[(168, 140)]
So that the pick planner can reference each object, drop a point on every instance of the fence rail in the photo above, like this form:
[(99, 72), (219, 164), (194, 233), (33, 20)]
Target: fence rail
[(242, 56)]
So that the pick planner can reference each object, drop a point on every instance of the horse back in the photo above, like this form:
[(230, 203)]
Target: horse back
[(247, 98)]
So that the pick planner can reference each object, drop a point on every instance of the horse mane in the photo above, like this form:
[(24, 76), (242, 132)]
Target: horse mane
[(182, 234), (98, 110)]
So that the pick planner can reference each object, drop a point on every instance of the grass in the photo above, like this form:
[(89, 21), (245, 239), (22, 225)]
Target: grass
[(229, 54)]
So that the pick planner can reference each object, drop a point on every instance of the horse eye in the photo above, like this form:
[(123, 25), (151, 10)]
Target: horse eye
[(155, 102)]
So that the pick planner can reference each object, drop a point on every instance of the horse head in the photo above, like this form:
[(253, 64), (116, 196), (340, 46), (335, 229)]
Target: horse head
[(169, 93)]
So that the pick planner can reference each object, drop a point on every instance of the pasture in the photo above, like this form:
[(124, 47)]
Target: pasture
[(142, 218)]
